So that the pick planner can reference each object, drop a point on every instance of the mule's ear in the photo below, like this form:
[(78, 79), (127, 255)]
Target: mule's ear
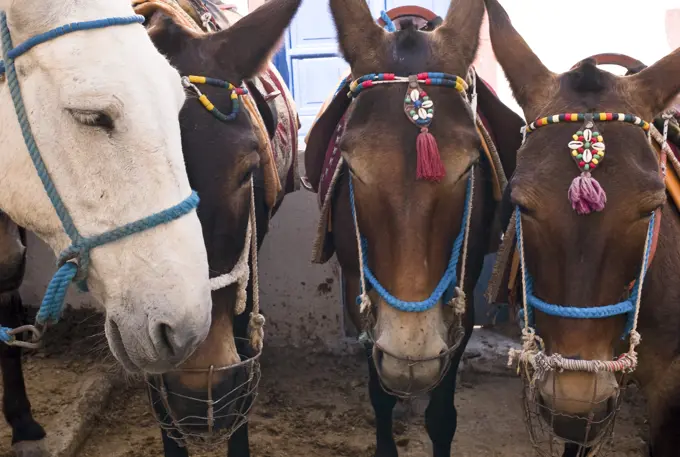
[(165, 33), (461, 27), (358, 33), (531, 82), (658, 84), (252, 41)]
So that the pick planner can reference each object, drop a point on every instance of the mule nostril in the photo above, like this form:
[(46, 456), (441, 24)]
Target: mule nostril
[(165, 337)]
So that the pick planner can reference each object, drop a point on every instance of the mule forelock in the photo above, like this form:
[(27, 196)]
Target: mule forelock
[(587, 78)]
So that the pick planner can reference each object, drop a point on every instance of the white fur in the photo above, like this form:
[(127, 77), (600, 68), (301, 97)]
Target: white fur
[(161, 275)]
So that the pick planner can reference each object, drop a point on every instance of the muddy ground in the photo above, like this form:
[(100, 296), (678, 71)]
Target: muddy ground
[(309, 405)]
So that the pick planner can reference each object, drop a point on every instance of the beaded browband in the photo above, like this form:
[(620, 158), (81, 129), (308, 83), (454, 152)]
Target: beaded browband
[(189, 82), (588, 150), (419, 109)]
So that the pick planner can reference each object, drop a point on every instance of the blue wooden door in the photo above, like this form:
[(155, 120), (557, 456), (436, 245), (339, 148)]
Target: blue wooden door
[(314, 62)]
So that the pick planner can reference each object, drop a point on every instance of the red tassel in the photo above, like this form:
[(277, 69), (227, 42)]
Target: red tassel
[(430, 166)]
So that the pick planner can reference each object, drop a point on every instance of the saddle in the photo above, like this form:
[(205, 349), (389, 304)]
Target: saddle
[(269, 102), (322, 155)]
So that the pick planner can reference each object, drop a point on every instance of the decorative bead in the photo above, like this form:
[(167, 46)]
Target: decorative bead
[(586, 167), (582, 164), (574, 153), (595, 161), (407, 100), (581, 149), (601, 153), (417, 103), (575, 137), (579, 133), (580, 138), (600, 139), (587, 145), (596, 134), (579, 156), (415, 117)]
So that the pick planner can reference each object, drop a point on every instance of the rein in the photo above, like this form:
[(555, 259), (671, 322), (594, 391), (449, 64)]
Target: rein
[(74, 261), (586, 195), (419, 108)]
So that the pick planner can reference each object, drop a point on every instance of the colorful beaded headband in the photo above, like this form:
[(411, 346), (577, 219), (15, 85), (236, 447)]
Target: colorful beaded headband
[(419, 109), (190, 82), (588, 150)]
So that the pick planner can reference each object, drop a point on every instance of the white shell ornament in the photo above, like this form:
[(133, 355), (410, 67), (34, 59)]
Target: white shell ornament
[(587, 149), (418, 106)]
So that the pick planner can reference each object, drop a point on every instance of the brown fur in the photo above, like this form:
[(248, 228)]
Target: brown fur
[(410, 225), (220, 158), (590, 260)]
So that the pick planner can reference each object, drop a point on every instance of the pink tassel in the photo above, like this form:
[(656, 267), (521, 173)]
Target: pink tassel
[(586, 195), (430, 166)]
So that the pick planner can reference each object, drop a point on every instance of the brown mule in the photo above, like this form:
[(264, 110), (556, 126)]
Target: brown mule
[(410, 224), (242, 165), (584, 252)]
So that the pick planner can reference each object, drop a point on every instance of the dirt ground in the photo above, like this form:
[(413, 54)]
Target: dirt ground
[(309, 405)]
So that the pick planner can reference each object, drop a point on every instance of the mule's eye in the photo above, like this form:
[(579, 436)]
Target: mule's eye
[(93, 118)]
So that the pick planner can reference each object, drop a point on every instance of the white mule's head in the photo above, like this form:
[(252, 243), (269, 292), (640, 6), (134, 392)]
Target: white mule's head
[(103, 106)]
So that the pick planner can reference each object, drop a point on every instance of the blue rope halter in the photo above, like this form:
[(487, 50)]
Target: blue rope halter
[(74, 261), (596, 312), (445, 288)]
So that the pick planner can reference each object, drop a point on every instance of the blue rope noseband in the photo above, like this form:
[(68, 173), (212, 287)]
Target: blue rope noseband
[(74, 261), (446, 286), (627, 306)]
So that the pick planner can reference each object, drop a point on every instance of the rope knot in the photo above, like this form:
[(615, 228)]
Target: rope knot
[(635, 338), (257, 320), (364, 303), (458, 303)]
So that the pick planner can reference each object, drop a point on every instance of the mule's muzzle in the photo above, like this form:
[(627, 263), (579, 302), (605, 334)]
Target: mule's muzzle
[(210, 416), (408, 377), (583, 428)]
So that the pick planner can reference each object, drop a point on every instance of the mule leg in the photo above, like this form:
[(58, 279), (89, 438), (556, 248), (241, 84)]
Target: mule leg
[(441, 415), (575, 450), (664, 412), (27, 435), (171, 448), (239, 445), (383, 404)]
